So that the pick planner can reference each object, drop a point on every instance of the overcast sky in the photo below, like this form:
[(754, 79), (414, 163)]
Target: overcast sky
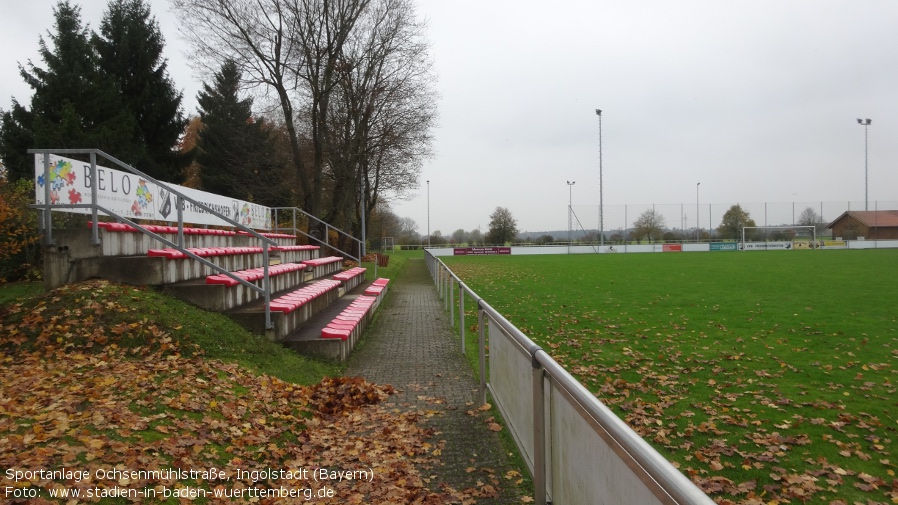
[(755, 100)]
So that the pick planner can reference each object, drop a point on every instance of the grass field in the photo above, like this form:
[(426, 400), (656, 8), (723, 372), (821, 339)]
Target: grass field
[(765, 377)]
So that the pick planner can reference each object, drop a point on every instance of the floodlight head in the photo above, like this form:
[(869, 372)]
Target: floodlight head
[(598, 112), (868, 120), (859, 121)]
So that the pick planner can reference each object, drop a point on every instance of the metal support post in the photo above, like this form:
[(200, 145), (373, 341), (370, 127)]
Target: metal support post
[(448, 290), (452, 301), (539, 431), (482, 325), (47, 215), (180, 204), (266, 285), (95, 226), (461, 316)]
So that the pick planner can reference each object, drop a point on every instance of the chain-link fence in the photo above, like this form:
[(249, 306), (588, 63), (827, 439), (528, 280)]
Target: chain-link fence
[(701, 222)]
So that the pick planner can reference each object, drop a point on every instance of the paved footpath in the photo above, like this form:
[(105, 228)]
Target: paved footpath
[(412, 347)]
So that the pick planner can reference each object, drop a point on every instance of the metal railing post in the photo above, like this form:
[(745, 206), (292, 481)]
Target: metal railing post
[(461, 316), (47, 216), (95, 226), (180, 204), (539, 430), (452, 301), (482, 324), (448, 288), (266, 286)]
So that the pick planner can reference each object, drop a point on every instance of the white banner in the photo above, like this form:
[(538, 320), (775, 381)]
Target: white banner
[(765, 246), (130, 196)]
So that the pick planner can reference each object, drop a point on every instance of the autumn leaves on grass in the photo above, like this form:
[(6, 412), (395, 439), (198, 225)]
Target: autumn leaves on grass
[(83, 394)]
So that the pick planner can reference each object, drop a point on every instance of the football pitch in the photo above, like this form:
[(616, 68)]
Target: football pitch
[(766, 377)]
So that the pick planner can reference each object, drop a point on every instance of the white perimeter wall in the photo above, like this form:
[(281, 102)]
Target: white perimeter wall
[(648, 248)]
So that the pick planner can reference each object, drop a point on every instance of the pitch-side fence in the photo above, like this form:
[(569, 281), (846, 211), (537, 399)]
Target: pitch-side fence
[(578, 450)]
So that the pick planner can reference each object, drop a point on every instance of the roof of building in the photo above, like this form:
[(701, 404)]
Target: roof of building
[(871, 218)]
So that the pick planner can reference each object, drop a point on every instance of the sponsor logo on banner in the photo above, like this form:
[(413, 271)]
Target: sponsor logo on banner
[(480, 251), (70, 182), (766, 246)]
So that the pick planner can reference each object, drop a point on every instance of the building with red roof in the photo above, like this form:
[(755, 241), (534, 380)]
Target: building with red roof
[(866, 224)]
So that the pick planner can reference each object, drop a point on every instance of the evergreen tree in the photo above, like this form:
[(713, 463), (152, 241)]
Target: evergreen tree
[(16, 138), (235, 150), (129, 49), (72, 106)]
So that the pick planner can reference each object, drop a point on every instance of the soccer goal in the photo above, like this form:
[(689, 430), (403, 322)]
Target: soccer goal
[(779, 237)]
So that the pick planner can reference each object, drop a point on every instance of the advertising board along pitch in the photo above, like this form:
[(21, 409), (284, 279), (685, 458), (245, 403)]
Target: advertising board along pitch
[(480, 251)]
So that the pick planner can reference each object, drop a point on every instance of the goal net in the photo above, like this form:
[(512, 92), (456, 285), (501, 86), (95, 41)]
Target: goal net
[(779, 237)]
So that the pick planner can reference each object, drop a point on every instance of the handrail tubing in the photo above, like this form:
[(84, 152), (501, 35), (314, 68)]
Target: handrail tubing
[(316, 239), (665, 477), (47, 206)]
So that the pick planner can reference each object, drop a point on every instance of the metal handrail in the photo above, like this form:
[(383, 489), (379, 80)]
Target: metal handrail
[(47, 221), (328, 228), (659, 475)]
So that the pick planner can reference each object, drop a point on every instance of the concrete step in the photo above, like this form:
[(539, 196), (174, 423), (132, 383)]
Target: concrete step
[(307, 339), (252, 316)]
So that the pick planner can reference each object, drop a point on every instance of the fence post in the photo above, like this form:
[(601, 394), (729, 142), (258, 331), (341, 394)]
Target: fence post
[(481, 350), (539, 430), (461, 316), (451, 301), (446, 287)]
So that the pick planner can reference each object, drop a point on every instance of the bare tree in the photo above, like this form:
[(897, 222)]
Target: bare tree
[(290, 47), (260, 36), (408, 230), (650, 225), (809, 217), (353, 83), (382, 111)]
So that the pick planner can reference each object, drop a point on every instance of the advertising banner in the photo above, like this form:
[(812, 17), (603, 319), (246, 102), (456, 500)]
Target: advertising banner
[(672, 247), (480, 251), (766, 246), (724, 246), (132, 197)]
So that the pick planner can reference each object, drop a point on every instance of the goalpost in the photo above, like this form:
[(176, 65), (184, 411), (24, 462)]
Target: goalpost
[(785, 237)]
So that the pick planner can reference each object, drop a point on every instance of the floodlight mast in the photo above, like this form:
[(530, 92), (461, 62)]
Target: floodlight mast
[(697, 226), (570, 210), (865, 123), (601, 209)]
